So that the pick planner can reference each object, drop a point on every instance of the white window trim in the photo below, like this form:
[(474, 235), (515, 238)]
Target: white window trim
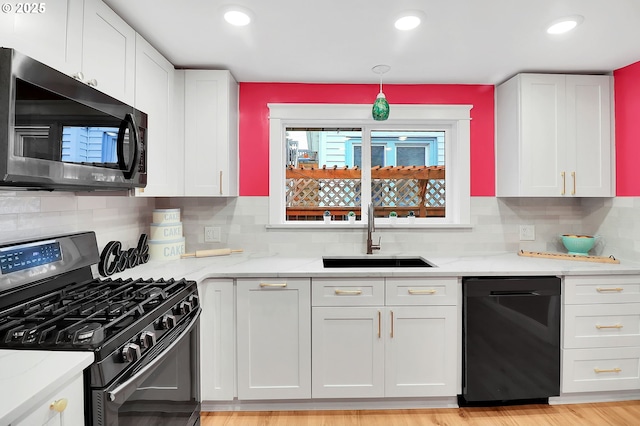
[(453, 119)]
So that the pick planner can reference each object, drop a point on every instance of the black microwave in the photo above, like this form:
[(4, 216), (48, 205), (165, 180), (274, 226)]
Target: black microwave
[(57, 133)]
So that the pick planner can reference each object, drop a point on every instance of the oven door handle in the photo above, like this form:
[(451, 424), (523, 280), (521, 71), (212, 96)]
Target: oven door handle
[(120, 394)]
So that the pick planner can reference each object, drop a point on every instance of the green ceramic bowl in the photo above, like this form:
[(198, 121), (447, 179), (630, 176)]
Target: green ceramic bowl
[(578, 244)]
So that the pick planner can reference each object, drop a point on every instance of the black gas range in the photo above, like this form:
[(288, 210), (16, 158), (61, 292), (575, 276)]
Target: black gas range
[(143, 332)]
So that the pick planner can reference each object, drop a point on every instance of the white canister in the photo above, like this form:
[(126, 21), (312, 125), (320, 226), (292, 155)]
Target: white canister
[(165, 231), (166, 216), (166, 250)]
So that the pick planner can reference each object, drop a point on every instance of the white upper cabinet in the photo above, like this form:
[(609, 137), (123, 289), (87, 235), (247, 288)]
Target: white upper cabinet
[(554, 136), (211, 133), (154, 95), (81, 38), (51, 32), (108, 52)]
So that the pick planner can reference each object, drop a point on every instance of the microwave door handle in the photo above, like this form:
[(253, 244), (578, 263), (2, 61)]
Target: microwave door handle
[(128, 122)]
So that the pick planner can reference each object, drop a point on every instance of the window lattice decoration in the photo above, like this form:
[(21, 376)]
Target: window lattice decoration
[(309, 190)]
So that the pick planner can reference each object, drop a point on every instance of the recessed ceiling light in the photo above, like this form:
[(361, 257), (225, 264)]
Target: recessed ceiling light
[(563, 25), (408, 21), (237, 18)]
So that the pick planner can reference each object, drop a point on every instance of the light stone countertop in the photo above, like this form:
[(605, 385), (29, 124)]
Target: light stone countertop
[(270, 265), (28, 377)]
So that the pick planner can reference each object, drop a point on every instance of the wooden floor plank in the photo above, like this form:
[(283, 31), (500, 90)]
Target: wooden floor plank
[(625, 413)]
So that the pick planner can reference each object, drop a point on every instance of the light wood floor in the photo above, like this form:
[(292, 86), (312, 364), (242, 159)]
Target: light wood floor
[(603, 414)]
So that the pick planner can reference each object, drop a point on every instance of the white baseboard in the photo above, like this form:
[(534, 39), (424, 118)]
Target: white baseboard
[(586, 397), (331, 404)]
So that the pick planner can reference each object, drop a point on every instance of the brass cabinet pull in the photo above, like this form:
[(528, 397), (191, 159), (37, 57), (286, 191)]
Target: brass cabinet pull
[(598, 326), (352, 292), (573, 175), (379, 324), (59, 405), (564, 181), (273, 285), (392, 324), (429, 291), (220, 182), (602, 289), (612, 370)]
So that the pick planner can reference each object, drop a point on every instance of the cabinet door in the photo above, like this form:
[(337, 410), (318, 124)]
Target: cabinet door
[(274, 340), (421, 351), (217, 340), (348, 352), (52, 36), (211, 133), (73, 414), (108, 51), (589, 136), (154, 95), (542, 135)]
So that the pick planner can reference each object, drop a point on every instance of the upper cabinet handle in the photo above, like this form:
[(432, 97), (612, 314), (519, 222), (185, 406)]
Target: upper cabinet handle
[(564, 181), (573, 175)]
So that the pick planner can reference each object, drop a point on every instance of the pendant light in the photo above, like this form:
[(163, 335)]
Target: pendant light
[(380, 110)]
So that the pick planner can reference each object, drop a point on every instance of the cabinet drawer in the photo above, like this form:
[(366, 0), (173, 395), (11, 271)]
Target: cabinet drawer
[(605, 369), (599, 326), (347, 292), (422, 291), (602, 289)]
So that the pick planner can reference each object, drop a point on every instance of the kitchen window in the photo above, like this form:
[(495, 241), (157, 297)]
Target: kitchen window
[(337, 159)]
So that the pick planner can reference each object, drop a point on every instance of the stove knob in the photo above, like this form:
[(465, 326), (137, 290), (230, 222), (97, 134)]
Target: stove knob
[(167, 322), (185, 307), (130, 352), (147, 339), (194, 300)]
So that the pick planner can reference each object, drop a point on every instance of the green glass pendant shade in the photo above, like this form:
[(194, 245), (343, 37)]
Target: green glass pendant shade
[(380, 110)]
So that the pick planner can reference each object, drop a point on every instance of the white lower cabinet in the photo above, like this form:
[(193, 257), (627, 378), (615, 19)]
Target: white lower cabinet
[(217, 340), (384, 351), (274, 338), (63, 407), (601, 337)]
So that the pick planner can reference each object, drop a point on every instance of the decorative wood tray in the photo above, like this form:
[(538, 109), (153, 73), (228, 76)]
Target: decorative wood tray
[(565, 256)]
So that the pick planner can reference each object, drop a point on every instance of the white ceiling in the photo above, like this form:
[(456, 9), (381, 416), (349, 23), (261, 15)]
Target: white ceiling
[(339, 41)]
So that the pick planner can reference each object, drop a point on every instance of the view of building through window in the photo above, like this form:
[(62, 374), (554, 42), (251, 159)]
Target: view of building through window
[(326, 166)]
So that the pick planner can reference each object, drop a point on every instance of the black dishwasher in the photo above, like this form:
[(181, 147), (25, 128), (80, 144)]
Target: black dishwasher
[(511, 340)]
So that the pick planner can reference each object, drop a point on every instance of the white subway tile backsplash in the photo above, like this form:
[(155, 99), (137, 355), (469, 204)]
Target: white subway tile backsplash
[(242, 221)]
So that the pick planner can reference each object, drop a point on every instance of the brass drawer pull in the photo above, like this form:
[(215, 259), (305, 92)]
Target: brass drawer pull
[(351, 292), (430, 291), (598, 326), (281, 285), (613, 370), (603, 289)]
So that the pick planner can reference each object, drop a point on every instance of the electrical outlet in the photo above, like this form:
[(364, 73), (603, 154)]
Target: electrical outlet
[(527, 232), (212, 234)]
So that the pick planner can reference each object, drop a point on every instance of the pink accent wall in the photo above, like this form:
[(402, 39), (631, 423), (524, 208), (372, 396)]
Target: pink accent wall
[(627, 124), (254, 122)]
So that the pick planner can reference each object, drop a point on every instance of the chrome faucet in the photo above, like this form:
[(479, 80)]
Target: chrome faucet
[(371, 226)]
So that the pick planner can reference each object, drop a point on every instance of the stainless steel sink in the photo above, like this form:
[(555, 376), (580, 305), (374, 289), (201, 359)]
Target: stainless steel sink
[(376, 262)]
